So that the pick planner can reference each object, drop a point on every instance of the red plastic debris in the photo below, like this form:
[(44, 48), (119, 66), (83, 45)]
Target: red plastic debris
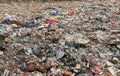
[(50, 21)]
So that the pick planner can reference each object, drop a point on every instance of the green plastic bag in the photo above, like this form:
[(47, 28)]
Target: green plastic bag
[(25, 5)]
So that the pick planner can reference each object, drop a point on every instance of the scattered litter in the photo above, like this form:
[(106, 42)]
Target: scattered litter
[(60, 38)]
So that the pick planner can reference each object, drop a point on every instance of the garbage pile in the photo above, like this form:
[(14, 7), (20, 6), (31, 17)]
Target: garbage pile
[(60, 39)]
